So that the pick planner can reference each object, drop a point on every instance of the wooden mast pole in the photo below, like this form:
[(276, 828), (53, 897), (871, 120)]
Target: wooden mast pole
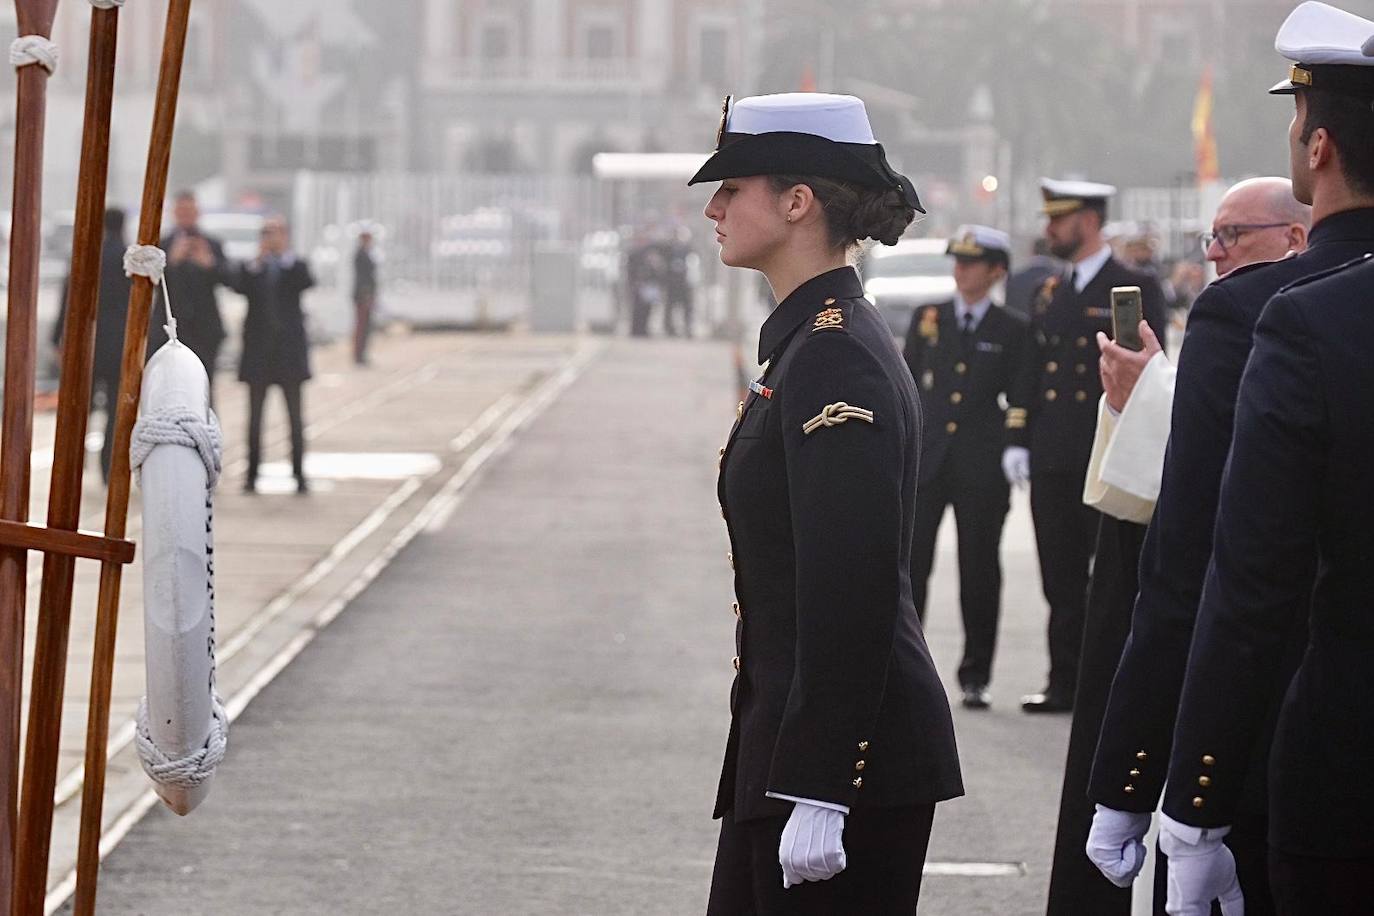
[(69, 453), (117, 500), (34, 17)]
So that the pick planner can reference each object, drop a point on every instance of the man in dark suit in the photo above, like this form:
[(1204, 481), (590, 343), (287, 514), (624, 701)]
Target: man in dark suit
[(112, 311), (276, 350), (1333, 161), (963, 355), (1053, 414), (195, 267)]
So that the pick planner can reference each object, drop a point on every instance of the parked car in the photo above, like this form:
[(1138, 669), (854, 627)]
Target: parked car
[(240, 233), (901, 278)]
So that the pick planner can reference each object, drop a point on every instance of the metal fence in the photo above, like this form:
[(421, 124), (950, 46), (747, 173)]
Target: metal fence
[(463, 249)]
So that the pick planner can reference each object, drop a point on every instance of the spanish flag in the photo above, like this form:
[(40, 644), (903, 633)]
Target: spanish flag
[(1204, 140)]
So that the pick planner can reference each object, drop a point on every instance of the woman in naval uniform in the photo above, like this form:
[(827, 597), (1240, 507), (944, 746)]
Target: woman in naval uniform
[(841, 740)]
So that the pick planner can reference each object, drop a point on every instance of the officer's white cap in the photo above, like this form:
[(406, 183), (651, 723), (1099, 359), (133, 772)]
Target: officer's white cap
[(1063, 196), (841, 118), (1318, 37), (974, 241)]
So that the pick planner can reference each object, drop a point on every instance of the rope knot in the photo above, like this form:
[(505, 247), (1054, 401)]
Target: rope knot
[(34, 49), (196, 767), (107, 4), (145, 261), (178, 426)]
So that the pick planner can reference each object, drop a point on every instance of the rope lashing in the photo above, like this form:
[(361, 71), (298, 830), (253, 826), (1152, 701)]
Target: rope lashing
[(107, 4), (193, 769), (151, 261), (179, 426), (27, 50), (834, 415)]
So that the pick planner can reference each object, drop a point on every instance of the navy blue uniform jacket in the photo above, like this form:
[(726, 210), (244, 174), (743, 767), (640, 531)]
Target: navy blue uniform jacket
[(1144, 700), (1297, 481), (836, 697)]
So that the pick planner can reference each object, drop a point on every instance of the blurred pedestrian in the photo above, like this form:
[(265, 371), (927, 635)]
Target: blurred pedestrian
[(196, 266), (1053, 415), (964, 355), (112, 312), (841, 740), (276, 349), (679, 310), (364, 295)]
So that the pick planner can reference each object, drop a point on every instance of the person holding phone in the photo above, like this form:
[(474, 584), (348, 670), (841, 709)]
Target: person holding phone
[(841, 740)]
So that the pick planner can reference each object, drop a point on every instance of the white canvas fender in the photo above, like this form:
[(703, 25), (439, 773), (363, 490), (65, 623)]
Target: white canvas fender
[(182, 728)]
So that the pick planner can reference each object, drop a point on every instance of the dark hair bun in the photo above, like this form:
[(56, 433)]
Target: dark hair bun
[(882, 216)]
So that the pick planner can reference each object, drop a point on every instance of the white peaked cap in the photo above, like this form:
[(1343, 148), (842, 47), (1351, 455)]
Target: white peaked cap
[(1318, 33), (977, 241), (841, 118)]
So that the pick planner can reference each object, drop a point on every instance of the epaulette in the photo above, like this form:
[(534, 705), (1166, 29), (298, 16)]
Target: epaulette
[(1312, 278), (1253, 266), (833, 317)]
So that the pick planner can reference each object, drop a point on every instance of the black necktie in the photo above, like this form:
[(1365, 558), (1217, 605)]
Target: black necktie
[(968, 331)]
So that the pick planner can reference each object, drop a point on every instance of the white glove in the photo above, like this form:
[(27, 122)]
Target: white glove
[(1115, 844), (811, 847), (1016, 465), (1201, 869)]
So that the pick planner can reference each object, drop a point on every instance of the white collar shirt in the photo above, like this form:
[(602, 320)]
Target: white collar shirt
[(1085, 270)]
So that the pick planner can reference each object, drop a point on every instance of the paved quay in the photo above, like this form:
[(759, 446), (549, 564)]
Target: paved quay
[(524, 711)]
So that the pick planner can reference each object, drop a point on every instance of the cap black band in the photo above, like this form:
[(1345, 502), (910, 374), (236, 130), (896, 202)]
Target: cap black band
[(795, 153), (1345, 79)]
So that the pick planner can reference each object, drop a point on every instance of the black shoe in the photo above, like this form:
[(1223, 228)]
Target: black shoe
[(976, 696), (250, 486), (302, 487), (1049, 701)]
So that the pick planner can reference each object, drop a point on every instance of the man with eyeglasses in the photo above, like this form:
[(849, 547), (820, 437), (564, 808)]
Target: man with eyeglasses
[(1218, 794), (1259, 219)]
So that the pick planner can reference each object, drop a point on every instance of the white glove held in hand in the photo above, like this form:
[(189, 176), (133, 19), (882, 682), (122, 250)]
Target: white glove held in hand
[(811, 847), (1115, 844), (1201, 869), (1016, 465)]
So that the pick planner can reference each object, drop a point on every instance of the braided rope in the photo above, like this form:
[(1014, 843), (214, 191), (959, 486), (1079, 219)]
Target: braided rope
[(107, 4), (179, 426), (27, 50), (193, 769), (834, 415)]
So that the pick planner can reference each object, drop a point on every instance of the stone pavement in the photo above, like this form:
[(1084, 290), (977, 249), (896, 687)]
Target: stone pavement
[(381, 443), (524, 712)]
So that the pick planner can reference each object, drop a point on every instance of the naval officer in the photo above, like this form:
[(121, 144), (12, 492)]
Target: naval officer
[(1053, 413), (963, 355), (841, 740)]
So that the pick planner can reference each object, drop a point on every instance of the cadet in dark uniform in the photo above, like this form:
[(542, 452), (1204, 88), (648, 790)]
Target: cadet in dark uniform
[(1053, 413), (841, 740), (1137, 729), (964, 355), (1297, 482)]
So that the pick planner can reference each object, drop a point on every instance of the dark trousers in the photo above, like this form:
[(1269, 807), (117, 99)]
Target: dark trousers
[(1076, 886), (885, 851), (1065, 531), (105, 392), (209, 356), (979, 513), (1307, 886), (257, 396), (362, 327)]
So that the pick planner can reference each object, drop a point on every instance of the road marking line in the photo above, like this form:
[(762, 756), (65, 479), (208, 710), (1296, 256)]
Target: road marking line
[(976, 869), (443, 502)]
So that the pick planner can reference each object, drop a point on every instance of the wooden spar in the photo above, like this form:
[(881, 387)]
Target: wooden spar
[(34, 17), (69, 453), (117, 500)]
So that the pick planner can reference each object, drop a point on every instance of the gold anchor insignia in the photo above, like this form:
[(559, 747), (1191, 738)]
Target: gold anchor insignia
[(724, 119), (830, 318)]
